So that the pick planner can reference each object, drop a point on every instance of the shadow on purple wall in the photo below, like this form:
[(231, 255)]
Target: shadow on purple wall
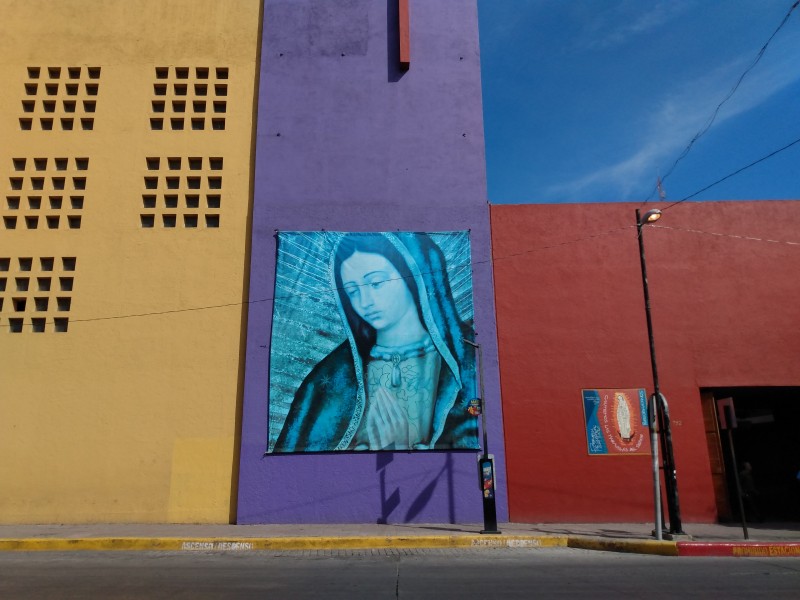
[(390, 503), (395, 73), (360, 153)]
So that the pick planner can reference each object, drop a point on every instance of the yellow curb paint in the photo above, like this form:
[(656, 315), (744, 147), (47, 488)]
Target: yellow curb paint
[(664, 548), (282, 543), (67, 544)]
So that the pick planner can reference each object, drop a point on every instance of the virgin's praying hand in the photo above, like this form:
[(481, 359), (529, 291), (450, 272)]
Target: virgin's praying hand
[(387, 426)]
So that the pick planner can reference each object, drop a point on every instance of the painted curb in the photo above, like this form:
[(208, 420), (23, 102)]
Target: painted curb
[(243, 544), (278, 543), (664, 548), (770, 549)]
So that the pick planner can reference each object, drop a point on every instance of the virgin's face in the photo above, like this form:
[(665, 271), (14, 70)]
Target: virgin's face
[(376, 290)]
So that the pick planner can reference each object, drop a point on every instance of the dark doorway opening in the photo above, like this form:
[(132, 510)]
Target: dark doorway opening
[(767, 436)]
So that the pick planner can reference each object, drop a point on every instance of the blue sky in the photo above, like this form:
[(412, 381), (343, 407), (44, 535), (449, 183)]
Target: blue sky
[(592, 100)]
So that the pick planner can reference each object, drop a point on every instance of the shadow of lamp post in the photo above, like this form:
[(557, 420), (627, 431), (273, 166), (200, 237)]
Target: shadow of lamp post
[(659, 410)]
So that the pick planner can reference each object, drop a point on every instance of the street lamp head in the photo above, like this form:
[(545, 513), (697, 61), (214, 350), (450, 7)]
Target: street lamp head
[(651, 216)]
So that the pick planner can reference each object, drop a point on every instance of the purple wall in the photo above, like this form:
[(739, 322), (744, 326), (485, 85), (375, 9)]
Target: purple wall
[(347, 142)]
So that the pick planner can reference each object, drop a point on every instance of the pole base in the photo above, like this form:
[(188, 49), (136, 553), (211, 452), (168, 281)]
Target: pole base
[(490, 532)]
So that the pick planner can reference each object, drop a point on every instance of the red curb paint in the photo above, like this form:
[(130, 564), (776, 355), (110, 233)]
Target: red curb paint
[(739, 549)]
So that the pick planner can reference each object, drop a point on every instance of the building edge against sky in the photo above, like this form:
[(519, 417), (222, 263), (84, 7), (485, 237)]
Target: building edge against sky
[(348, 141), (125, 164), (570, 317)]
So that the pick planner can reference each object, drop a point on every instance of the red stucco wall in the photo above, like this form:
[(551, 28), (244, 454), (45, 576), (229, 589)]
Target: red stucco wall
[(570, 315)]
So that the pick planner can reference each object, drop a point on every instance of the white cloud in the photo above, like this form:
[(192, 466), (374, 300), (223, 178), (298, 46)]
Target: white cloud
[(680, 114), (629, 21)]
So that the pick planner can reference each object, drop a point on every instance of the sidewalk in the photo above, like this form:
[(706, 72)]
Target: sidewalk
[(777, 539)]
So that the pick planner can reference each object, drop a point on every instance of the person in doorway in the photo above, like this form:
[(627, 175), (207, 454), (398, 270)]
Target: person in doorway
[(796, 490), (749, 492)]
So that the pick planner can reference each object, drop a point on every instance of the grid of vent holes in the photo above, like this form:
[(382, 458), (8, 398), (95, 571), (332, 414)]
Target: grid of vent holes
[(47, 197), (37, 294), (57, 97), (185, 191), (186, 98)]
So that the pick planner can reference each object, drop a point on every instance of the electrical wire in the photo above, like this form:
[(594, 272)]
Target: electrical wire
[(450, 269), (728, 235), (713, 116), (736, 172), (325, 291)]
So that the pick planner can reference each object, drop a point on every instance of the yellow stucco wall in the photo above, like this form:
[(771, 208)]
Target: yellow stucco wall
[(130, 415)]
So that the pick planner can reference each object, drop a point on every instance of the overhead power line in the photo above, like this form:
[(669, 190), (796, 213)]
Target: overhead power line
[(713, 116), (736, 172)]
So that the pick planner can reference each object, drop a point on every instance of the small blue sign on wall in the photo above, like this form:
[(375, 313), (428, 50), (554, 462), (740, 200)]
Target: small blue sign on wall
[(616, 421)]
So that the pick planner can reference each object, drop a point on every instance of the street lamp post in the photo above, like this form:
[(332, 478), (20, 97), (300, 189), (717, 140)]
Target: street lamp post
[(659, 403)]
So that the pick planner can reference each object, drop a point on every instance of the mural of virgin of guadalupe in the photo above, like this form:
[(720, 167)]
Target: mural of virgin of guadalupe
[(403, 378)]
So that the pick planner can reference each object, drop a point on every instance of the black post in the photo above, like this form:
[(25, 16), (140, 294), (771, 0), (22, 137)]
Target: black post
[(670, 473), (729, 423), (665, 430), (485, 460)]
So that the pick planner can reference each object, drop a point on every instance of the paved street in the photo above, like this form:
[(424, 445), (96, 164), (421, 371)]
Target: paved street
[(391, 573)]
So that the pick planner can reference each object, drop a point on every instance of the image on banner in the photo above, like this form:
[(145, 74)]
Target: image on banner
[(616, 421), (367, 350)]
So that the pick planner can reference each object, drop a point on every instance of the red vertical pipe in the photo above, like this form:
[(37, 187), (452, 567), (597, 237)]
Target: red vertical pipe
[(405, 35)]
